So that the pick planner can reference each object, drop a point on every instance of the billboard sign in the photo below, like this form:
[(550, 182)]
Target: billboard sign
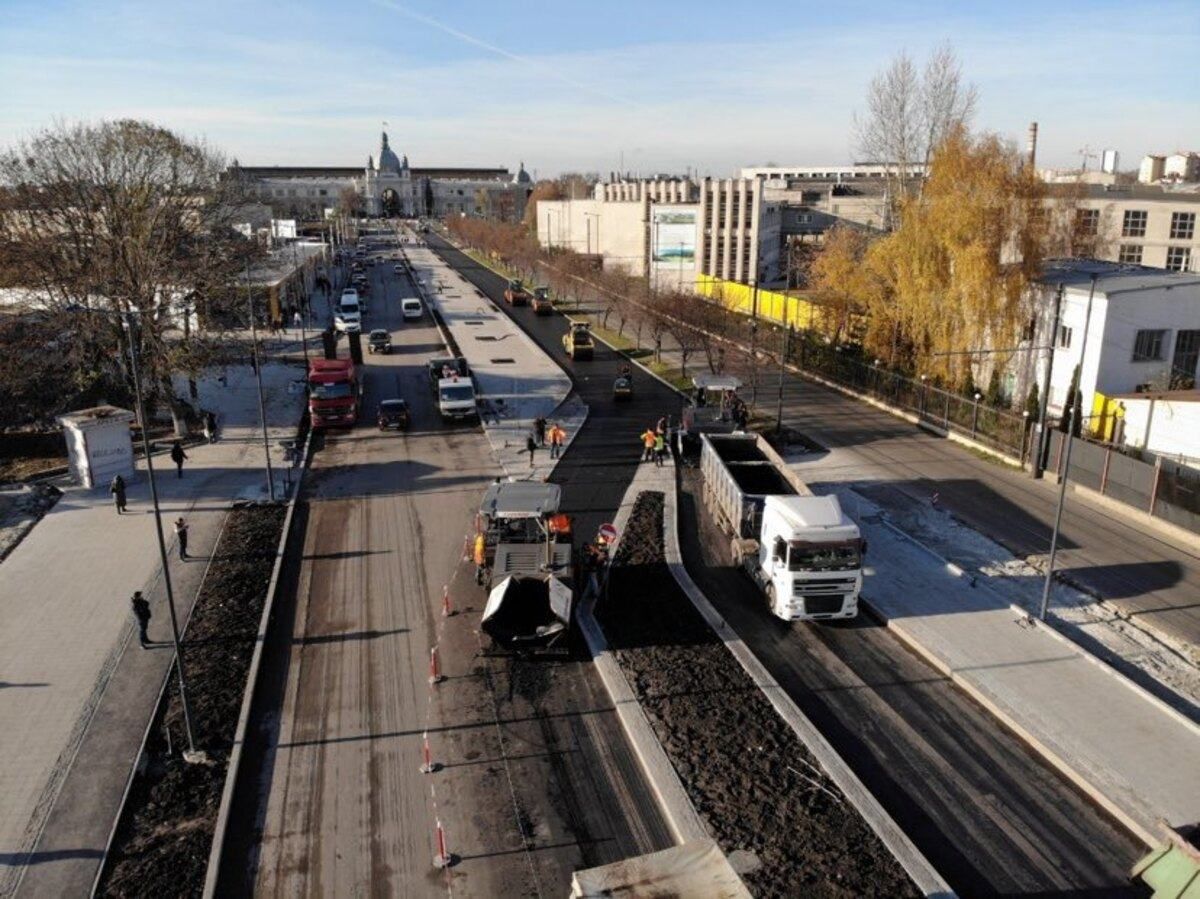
[(673, 236)]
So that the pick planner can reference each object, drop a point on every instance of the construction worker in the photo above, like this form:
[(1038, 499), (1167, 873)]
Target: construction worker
[(648, 441), (479, 555), (557, 437), (660, 448)]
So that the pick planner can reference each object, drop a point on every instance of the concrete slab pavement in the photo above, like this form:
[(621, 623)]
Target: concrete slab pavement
[(1131, 753), (517, 381), (65, 626)]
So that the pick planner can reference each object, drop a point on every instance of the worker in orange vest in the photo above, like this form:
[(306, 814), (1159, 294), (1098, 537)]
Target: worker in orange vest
[(649, 438), (556, 436)]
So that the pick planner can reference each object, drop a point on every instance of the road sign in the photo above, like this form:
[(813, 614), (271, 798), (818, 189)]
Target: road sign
[(608, 533)]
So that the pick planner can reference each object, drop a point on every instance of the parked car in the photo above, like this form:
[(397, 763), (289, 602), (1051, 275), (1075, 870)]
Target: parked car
[(379, 341), (411, 308), (393, 414)]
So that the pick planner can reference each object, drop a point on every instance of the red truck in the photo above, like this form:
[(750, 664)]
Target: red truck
[(334, 393)]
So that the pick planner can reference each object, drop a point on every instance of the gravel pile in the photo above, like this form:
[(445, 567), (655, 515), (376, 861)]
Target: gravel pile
[(749, 776), (163, 839)]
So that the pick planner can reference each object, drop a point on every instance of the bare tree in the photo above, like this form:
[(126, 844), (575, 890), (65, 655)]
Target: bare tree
[(125, 217), (909, 113)]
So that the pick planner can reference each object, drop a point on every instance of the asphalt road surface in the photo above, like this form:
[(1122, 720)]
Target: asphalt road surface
[(989, 814), (535, 779)]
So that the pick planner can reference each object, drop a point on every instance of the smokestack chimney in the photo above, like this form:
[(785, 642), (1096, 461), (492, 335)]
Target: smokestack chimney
[(1032, 149)]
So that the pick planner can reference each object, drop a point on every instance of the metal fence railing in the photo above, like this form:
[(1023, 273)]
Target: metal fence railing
[(996, 428)]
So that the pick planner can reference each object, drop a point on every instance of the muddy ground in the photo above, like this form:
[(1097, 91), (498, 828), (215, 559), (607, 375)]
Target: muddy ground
[(749, 776), (163, 839)]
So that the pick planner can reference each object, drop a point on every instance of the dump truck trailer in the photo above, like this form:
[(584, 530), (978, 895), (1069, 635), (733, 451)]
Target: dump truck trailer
[(525, 559), (802, 551)]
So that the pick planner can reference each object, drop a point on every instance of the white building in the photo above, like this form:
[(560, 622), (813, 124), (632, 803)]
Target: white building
[(1166, 423), (1177, 167), (672, 229), (1144, 333)]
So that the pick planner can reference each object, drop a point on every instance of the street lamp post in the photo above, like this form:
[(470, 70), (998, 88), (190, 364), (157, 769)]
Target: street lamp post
[(1066, 469), (191, 754), (262, 406), (787, 340)]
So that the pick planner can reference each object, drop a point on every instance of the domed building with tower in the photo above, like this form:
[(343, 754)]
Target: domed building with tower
[(389, 186)]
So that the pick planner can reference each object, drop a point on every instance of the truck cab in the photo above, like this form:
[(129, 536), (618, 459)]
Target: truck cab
[(578, 340), (456, 398), (334, 393), (809, 559)]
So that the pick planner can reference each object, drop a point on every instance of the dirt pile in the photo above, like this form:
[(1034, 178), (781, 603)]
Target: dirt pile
[(747, 773), (163, 839)]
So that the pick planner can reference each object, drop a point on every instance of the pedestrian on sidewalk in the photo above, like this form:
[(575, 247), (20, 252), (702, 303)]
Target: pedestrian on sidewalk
[(648, 437), (539, 430), (178, 456), (557, 437), (660, 448), (210, 426), (141, 611), (181, 535), (117, 489), (298, 322), (531, 446)]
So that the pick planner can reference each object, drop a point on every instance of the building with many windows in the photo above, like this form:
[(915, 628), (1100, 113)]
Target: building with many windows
[(1141, 224), (389, 186)]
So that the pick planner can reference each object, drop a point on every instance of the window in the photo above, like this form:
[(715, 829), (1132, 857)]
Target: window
[(1131, 253), (1064, 337), (1178, 258), (1087, 222), (1183, 225), (1135, 223), (1148, 346), (323, 193), (1183, 365)]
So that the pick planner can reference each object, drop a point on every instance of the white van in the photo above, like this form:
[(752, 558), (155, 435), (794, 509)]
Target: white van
[(411, 308), (352, 298)]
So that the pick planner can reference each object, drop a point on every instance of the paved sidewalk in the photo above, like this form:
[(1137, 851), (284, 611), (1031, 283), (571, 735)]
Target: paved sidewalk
[(1130, 752), (77, 692), (515, 391)]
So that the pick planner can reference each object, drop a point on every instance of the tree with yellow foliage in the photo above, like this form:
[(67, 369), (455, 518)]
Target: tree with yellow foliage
[(955, 275)]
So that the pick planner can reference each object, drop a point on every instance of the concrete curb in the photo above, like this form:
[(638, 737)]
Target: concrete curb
[(232, 771), (137, 762), (681, 815), (924, 875), (1144, 830)]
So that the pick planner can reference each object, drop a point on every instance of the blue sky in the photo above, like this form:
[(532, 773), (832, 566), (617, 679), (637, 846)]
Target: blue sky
[(568, 85)]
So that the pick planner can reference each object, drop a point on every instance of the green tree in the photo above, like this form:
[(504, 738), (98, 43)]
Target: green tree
[(1033, 403), (994, 395), (1069, 420)]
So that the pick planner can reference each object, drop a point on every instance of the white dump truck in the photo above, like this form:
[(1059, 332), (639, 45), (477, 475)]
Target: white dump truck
[(524, 558), (802, 550)]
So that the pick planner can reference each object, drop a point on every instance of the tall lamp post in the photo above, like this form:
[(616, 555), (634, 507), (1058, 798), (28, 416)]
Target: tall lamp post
[(191, 755), (262, 406), (1076, 413)]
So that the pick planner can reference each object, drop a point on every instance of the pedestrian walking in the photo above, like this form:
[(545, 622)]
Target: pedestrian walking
[(557, 438), (178, 456), (117, 489), (660, 448), (141, 611), (531, 446), (298, 321), (648, 438), (210, 427), (539, 430), (181, 535)]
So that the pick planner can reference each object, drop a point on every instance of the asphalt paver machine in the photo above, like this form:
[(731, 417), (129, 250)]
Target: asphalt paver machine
[(524, 557)]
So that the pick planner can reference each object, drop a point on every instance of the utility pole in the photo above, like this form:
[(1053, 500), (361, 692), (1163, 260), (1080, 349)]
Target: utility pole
[(787, 341), (1076, 414), (1039, 463), (262, 406), (191, 755)]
